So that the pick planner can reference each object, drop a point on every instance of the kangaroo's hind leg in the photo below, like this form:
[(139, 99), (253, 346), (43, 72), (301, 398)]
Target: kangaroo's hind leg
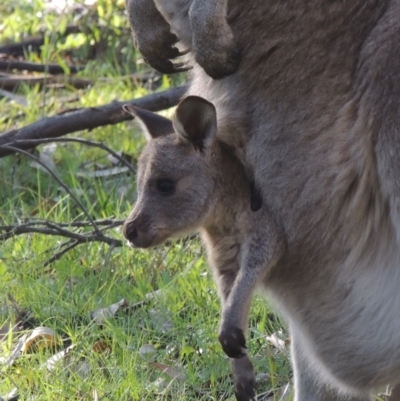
[(309, 386)]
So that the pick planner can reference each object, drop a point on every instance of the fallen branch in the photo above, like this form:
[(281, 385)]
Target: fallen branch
[(51, 228), (11, 82), (34, 43), (40, 222), (86, 118), (100, 145), (57, 229), (75, 238), (9, 65)]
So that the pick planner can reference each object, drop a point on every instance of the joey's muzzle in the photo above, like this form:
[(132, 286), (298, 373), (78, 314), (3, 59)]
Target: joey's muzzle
[(130, 231), (136, 234)]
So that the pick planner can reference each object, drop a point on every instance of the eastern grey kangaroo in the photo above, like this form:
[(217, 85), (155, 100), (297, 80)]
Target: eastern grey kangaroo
[(212, 43), (188, 180), (317, 100)]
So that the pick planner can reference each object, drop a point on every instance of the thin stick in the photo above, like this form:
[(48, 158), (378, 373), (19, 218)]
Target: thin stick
[(69, 192), (59, 254), (36, 142)]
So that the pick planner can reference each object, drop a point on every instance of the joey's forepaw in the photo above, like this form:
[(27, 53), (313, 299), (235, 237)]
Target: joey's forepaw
[(233, 341)]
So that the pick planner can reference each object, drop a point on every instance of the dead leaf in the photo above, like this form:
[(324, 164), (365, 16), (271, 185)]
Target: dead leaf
[(149, 296), (286, 392), (173, 373), (16, 352), (49, 148), (40, 338), (101, 347), (100, 315), (276, 341), (11, 396), (81, 368), (261, 377), (107, 172), (51, 363), (73, 363), (45, 204), (113, 160), (7, 329), (148, 352), (95, 395), (162, 320), (46, 160), (390, 393), (13, 97)]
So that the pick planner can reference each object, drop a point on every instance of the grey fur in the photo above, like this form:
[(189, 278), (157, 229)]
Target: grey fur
[(314, 113), (200, 24), (212, 194)]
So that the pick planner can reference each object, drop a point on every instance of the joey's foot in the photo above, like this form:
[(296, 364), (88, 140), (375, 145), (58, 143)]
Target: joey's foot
[(219, 63), (233, 341), (245, 390), (245, 381)]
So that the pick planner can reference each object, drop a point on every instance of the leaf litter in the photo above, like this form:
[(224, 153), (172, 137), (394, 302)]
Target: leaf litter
[(42, 338)]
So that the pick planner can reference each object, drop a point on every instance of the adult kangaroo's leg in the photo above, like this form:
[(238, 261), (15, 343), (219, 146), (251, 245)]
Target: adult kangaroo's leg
[(307, 382), (378, 80), (213, 41), (153, 37)]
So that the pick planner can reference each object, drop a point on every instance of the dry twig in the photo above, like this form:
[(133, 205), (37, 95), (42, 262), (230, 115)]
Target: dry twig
[(46, 227), (9, 65), (11, 82), (34, 43)]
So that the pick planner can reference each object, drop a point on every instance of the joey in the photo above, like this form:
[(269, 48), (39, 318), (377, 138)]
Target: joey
[(189, 181)]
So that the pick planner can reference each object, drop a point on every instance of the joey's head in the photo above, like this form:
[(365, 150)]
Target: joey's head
[(175, 178)]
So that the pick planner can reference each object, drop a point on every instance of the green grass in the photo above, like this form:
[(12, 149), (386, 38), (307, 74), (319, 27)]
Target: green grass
[(180, 323)]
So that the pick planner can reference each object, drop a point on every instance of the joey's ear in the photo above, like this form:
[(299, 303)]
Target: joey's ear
[(153, 124), (196, 121)]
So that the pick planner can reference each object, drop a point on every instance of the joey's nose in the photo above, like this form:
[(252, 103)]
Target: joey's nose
[(130, 231)]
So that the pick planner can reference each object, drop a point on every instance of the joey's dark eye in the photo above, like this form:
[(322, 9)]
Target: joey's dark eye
[(165, 185)]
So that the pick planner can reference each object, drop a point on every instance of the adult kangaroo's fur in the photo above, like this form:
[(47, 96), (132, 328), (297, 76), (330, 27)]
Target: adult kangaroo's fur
[(315, 107), (201, 22)]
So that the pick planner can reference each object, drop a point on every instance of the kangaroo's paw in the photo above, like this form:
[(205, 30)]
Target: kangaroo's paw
[(233, 341), (215, 50), (159, 51), (219, 64), (245, 381), (153, 37)]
